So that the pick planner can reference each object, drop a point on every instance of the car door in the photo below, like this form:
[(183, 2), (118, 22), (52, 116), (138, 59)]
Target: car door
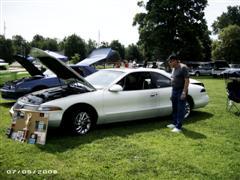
[(164, 90), (136, 101)]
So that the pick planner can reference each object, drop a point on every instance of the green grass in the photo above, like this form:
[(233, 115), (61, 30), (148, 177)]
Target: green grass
[(10, 76), (208, 148)]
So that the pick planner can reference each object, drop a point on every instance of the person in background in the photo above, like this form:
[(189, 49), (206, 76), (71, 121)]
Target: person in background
[(154, 65), (125, 63), (145, 64), (130, 64), (180, 83), (117, 64)]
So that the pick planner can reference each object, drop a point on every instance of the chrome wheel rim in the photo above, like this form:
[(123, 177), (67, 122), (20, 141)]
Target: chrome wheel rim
[(82, 123), (187, 109)]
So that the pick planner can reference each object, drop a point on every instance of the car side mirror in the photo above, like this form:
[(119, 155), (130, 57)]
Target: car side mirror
[(116, 88)]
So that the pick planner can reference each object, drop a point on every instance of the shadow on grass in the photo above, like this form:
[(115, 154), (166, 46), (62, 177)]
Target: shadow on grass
[(58, 141), (196, 116), (192, 134), (7, 104)]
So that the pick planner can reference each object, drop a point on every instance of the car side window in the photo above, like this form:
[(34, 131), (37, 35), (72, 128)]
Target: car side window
[(160, 81), (136, 81)]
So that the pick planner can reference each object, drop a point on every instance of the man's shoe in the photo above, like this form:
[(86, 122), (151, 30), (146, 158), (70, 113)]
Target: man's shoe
[(176, 130), (171, 126)]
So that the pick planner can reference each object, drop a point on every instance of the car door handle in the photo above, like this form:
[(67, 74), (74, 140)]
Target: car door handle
[(154, 94)]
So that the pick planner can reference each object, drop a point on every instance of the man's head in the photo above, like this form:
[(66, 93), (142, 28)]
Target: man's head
[(173, 61)]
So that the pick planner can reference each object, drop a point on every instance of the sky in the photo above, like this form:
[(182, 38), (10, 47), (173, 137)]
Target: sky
[(99, 20)]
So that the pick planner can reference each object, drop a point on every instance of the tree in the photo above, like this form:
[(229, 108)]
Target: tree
[(20, 45), (116, 45), (45, 43), (91, 45), (75, 45), (228, 45), (6, 49), (217, 51), (133, 53), (37, 41), (174, 26), (50, 44), (231, 17)]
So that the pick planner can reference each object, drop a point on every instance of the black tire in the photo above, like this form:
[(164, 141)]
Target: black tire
[(82, 121), (197, 74), (188, 109)]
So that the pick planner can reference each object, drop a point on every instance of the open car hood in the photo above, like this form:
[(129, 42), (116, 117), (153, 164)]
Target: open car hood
[(58, 67), (29, 66), (98, 55)]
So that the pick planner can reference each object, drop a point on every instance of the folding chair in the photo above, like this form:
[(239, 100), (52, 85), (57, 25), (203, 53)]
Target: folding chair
[(233, 95)]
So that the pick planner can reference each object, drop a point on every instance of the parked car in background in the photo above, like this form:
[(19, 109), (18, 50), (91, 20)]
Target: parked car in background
[(39, 80), (205, 69), (218, 67), (108, 95), (234, 66), (3, 65)]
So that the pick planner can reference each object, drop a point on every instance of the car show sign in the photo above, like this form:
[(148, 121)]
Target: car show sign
[(28, 126)]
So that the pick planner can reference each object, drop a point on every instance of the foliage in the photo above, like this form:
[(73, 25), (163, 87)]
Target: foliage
[(174, 26), (44, 43), (133, 53), (20, 45), (227, 27), (116, 45), (208, 148), (37, 41), (231, 17), (228, 45), (6, 49), (75, 59), (50, 44), (91, 45), (217, 52), (75, 44), (230, 42)]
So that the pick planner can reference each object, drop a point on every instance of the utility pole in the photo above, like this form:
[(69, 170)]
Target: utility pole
[(4, 29), (98, 38), (1, 17)]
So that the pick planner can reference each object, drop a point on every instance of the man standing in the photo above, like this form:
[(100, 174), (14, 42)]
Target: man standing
[(180, 82)]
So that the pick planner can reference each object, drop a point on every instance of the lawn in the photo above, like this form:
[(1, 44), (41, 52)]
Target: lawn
[(208, 148)]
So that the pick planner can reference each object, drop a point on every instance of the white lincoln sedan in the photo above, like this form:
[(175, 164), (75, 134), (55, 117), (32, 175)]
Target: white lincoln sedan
[(109, 95)]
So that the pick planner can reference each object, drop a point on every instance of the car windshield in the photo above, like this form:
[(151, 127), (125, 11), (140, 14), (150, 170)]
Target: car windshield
[(103, 78)]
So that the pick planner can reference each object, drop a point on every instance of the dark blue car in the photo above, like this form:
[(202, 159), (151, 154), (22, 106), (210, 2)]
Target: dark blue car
[(38, 80)]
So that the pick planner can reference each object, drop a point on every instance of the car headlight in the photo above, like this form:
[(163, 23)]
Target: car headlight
[(49, 108)]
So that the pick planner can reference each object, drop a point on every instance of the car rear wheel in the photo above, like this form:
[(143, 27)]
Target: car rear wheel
[(81, 122)]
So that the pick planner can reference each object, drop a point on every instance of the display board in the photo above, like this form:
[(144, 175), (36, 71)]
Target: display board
[(28, 126)]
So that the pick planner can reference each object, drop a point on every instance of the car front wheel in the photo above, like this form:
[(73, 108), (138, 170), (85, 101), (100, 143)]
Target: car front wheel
[(82, 122), (197, 74), (187, 109)]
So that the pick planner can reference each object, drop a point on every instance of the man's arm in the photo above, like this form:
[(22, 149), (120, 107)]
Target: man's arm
[(186, 84), (185, 89)]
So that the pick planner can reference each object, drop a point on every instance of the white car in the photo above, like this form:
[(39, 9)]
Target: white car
[(109, 95)]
